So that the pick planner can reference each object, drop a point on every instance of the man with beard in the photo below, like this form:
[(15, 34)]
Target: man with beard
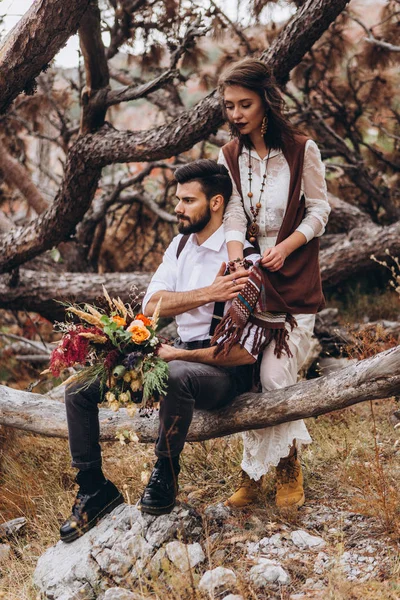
[(193, 288), (191, 283)]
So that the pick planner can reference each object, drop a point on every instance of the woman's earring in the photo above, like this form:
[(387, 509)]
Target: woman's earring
[(264, 125)]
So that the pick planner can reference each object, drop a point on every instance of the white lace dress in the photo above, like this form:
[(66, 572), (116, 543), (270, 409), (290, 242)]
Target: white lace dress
[(264, 448)]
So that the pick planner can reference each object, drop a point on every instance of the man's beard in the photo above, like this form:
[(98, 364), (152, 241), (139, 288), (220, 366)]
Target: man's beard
[(195, 225)]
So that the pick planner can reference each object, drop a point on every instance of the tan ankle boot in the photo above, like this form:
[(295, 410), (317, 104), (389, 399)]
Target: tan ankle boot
[(289, 482), (246, 493)]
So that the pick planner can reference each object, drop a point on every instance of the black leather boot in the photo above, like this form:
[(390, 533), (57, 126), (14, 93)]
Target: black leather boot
[(88, 509), (159, 495)]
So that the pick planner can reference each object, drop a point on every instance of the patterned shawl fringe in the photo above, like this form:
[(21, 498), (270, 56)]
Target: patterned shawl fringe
[(228, 333), (250, 308)]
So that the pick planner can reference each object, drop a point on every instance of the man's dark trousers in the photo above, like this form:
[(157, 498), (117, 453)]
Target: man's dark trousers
[(190, 385)]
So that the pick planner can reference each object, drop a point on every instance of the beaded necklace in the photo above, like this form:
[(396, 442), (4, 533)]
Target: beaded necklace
[(253, 229)]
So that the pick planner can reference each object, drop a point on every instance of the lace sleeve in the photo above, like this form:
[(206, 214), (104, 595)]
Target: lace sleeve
[(235, 222), (315, 192)]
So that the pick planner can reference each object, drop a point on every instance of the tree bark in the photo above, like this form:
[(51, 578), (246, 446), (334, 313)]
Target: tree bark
[(33, 43), (353, 254), (371, 379), (96, 70), (108, 146), (16, 175), (348, 257), (40, 294), (58, 222), (344, 216)]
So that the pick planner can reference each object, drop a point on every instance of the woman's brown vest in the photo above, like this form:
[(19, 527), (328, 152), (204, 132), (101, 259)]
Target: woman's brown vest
[(296, 288)]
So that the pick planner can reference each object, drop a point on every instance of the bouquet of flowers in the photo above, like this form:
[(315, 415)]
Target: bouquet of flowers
[(114, 345)]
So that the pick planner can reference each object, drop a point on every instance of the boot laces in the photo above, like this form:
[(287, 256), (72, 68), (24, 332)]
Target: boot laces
[(289, 471), (77, 510)]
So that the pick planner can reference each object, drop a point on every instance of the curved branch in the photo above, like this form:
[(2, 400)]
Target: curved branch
[(18, 176), (33, 43), (134, 92), (370, 379), (314, 17), (108, 146), (59, 221), (353, 254)]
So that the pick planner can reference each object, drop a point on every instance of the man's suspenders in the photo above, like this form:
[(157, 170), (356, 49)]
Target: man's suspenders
[(218, 312)]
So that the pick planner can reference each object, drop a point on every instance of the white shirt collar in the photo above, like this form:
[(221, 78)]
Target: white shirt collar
[(214, 242), (255, 155)]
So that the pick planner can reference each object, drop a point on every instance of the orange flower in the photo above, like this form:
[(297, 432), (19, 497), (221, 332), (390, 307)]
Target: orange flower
[(139, 331), (144, 319), (119, 320)]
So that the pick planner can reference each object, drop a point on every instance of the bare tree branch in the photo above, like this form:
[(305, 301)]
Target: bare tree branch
[(96, 69), (133, 92), (95, 150), (33, 42), (348, 257), (370, 379), (371, 39), (17, 176)]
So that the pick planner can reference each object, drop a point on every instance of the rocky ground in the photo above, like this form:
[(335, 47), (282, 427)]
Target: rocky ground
[(132, 556)]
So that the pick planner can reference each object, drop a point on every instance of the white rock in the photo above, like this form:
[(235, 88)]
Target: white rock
[(218, 579), (184, 556), (233, 597), (302, 539), (5, 550), (276, 540), (253, 548), (346, 556), (121, 543), (264, 542), (217, 512), (122, 594), (156, 563), (267, 571)]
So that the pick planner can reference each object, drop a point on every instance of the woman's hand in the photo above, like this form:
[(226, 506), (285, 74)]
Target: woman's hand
[(274, 258)]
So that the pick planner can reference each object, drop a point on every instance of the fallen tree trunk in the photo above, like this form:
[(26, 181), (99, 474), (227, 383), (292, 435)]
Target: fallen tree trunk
[(346, 258), (370, 379), (344, 216), (352, 255), (40, 294)]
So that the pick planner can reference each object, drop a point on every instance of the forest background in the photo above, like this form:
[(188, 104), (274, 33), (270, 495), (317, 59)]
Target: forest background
[(86, 198)]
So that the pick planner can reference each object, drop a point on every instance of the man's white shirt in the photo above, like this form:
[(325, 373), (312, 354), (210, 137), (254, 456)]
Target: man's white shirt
[(196, 267)]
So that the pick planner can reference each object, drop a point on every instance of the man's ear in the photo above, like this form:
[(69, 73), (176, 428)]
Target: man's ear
[(217, 202)]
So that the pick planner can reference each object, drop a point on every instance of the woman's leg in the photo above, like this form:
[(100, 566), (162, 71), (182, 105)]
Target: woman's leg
[(264, 448)]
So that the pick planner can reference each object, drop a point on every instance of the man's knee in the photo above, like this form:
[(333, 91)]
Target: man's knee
[(179, 374), (76, 393)]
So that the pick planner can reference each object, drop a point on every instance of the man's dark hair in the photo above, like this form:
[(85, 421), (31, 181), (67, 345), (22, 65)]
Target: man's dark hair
[(213, 178)]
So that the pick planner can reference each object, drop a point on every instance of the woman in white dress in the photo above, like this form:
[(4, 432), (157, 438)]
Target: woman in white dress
[(264, 168)]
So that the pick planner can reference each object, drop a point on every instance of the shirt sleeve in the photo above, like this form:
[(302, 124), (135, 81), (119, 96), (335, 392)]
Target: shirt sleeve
[(315, 193), (235, 222), (164, 279)]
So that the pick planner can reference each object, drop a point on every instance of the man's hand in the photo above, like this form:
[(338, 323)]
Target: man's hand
[(274, 258), (167, 352), (227, 287)]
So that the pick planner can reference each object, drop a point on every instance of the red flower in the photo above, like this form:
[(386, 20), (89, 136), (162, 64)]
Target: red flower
[(71, 350)]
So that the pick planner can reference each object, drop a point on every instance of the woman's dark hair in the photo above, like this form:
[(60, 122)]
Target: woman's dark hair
[(213, 178), (254, 75)]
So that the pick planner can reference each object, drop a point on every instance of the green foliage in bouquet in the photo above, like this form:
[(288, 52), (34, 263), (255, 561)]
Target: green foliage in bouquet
[(116, 346)]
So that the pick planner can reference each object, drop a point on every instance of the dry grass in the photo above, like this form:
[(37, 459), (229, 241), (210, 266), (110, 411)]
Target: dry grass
[(353, 464)]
